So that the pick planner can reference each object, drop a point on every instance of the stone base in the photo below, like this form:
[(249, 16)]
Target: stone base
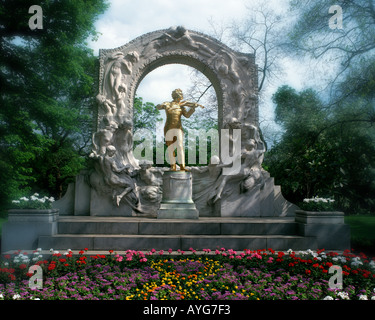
[(328, 228), (178, 211), (177, 200), (24, 227)]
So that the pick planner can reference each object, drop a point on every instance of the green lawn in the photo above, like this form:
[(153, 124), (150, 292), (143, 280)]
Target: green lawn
[(2, 220), (362, 232)]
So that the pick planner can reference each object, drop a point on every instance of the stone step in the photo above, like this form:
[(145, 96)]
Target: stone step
[(184, 242), (202, 226)]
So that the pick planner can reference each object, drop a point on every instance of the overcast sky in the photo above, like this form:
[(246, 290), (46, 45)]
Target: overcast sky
[(126, 20)]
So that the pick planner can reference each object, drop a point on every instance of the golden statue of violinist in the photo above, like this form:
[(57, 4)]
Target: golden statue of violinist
[(173, 128)]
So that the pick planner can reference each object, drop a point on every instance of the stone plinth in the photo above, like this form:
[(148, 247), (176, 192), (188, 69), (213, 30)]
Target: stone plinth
[(24, 227), (328, 227), (177, 202)]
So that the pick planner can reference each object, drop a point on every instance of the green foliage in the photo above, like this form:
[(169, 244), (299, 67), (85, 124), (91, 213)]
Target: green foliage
[(323, 151), (46, 81)]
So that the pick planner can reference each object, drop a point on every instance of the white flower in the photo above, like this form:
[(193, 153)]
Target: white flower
[(33, 198), (32, 298), (51, 199), (24, 199), (1, 297), (16, 296), (51, 250), (16, 201), (335, 259), (6, 264), (342, 259), (39, 249), (36, 194), (363, 297), (373, 298), (328, 298), (42, 200), (343, 295)]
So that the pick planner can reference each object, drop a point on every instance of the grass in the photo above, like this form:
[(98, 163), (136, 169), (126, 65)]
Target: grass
[(362, 233)]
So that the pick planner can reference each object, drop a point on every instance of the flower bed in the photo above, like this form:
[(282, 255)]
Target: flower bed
[(159, 275)]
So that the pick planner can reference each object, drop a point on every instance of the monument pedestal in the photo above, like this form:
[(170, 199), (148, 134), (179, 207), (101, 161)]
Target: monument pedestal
[(177, 202)]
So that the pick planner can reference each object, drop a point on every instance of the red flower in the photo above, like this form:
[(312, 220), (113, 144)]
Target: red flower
[(307, 271), (316, 265), (329, 264), (62, 260), (12, 277), (7, 256), (86, 249), (23, 266), (291, 264), (110, 251)]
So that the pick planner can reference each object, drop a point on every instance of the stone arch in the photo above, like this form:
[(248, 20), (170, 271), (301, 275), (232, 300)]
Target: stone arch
[(233, 74), (183, 60)]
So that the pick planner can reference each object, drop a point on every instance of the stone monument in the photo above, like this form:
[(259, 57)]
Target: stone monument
[(121, 185), (231, 202)]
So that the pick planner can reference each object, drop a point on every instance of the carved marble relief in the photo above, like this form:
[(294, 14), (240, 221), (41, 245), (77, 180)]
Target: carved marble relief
[(118, 175)]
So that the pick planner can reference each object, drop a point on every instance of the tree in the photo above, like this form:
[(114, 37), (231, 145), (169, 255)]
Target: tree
[(347, 51), (323, 151), (46, 81), (262, 33)]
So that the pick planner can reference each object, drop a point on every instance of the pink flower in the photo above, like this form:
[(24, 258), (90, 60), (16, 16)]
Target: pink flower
[(270, 260), (143, 260), (170, 250), (161, 252)]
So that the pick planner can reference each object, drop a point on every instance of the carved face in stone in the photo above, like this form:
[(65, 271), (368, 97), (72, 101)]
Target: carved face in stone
[(111, 150)]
